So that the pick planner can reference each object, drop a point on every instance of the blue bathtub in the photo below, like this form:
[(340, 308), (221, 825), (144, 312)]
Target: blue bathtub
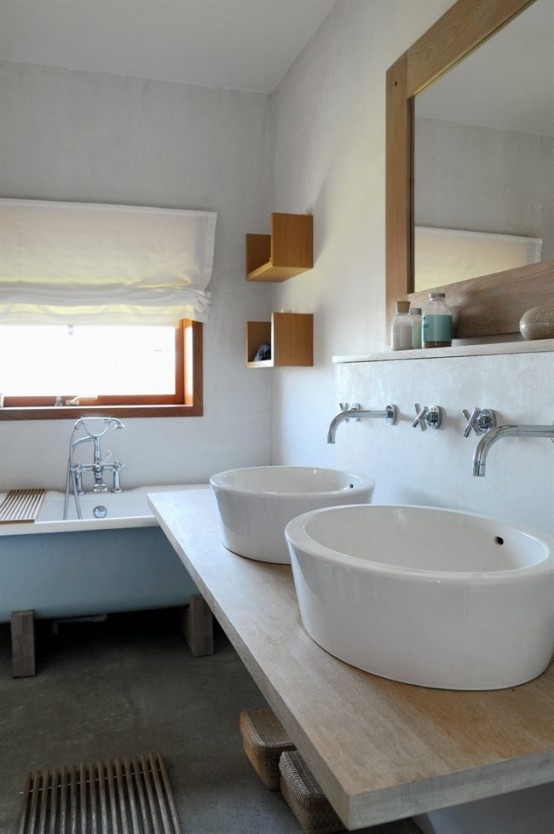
[(90, 566)]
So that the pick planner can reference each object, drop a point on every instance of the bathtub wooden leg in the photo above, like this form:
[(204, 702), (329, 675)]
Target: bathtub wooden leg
[(23, 644), (197, 627)]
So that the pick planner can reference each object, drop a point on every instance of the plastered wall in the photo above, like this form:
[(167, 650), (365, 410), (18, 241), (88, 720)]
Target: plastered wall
[(434, 467), (95, 137)]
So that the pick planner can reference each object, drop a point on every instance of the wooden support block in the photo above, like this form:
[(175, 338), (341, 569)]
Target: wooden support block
[(23, 644), (305, 798), (311, 807), (264, 739), (197, 627)]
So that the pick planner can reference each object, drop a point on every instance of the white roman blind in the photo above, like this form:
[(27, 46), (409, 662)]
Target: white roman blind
[(86, 263)]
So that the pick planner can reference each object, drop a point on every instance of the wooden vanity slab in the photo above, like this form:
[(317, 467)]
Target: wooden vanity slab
[(380, 750)]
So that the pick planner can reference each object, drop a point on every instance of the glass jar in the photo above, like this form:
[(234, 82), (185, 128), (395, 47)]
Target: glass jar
[(401, 327), (436, 323)]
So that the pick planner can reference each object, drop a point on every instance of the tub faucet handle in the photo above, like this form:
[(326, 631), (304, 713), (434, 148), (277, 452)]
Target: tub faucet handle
[(480, 420), (421, 414), (76, 474), (427, 416), (117, 466)]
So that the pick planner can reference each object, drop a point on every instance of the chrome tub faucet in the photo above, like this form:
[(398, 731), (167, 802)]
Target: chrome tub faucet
[(94, 429)]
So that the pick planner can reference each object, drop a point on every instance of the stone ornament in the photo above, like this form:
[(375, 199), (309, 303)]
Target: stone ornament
[(538, 323)]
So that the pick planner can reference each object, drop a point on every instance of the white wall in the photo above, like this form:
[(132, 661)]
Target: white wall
[(95, 137), (434, 467), (328, 157)]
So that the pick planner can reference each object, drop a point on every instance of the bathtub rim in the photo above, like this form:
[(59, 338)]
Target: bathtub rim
[(146, 519)]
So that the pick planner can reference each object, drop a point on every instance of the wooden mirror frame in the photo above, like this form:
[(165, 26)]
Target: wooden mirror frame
[(491, 305)]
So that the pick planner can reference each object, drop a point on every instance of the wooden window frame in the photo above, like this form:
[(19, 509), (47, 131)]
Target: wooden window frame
[(187, 401)]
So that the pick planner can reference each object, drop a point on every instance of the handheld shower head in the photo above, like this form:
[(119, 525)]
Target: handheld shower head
[(96, 426)]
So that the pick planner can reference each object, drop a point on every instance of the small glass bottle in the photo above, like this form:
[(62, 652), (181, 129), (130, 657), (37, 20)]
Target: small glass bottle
[(436, 322), (415, 315), (401, 327)]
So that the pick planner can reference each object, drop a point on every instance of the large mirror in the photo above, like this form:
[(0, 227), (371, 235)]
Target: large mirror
[(511, 255)]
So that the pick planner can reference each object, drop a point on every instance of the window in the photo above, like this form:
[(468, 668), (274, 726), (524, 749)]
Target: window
[(90, 295), (50, 371)]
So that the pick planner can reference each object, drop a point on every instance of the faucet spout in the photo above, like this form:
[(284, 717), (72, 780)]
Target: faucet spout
[(492, 436), (354, 412), (345, 414)]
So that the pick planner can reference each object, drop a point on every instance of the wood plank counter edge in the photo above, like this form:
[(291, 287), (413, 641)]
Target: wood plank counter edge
[(190, 522)]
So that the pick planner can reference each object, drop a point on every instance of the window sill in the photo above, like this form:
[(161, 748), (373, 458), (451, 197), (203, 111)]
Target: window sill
[(74, 412)]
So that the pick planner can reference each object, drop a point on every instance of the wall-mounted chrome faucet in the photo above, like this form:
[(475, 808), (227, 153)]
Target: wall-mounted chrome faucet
[(482, 450), (94, 428), (353, 411), (427, 416)]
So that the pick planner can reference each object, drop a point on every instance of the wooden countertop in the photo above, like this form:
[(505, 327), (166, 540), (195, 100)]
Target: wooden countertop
[(380, 750)]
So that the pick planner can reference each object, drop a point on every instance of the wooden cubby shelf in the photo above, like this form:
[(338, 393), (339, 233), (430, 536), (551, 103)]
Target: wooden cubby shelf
[(286, 252), (290, 336)]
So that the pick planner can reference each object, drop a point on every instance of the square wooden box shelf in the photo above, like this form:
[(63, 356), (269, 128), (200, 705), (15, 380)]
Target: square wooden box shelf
[(287, 251), (290, 336)]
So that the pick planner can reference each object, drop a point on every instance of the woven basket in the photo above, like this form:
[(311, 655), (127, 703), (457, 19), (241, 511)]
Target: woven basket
[(305, 798), (264, 739)]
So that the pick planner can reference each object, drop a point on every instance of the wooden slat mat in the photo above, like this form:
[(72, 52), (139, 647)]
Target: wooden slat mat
[(21, 505), (120, 796)]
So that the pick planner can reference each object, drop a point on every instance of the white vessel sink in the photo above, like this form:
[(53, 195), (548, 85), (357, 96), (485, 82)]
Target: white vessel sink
[(425, 596), (255, 504)]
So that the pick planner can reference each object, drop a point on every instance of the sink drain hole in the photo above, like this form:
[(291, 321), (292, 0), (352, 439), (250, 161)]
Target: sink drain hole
[(499, 540)]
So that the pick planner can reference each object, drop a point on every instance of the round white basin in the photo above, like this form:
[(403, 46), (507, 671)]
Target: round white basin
[(425, 596), (255, 504)]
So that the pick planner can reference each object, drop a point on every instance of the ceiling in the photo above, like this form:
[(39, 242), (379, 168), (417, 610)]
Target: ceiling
[(236, 44), (250, 44)]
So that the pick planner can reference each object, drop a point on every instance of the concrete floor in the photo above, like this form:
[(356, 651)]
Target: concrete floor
[(129, 686)]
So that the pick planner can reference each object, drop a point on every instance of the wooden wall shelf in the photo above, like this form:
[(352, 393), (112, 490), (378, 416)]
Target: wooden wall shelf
[(290, 336), (286, 252)]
